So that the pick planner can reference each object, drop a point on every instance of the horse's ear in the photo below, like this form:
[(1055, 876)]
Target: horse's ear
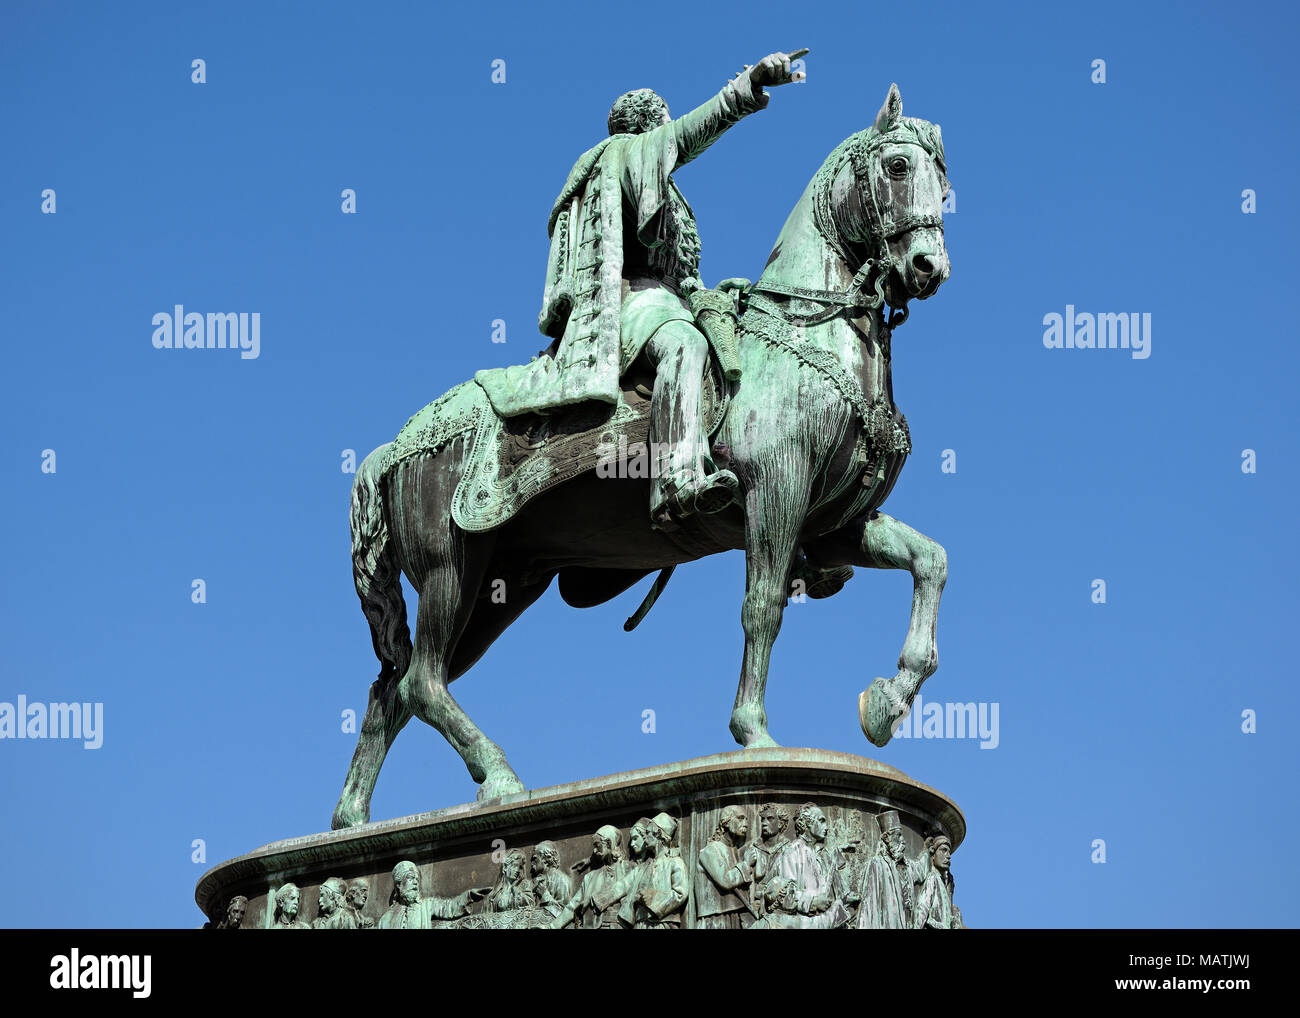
[(891, 113)]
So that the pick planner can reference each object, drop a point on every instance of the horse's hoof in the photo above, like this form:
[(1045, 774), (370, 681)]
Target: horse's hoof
[(822, 583), (496, 788), (749, 728), (345, 818), (878, 709)]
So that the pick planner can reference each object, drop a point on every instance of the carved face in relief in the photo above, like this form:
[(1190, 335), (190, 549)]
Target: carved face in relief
[(545, 857), (735, 823), (330, 896), (811, 824), (604, 845), (406, 881), (512, 867), (638, 840), (235, 911), (941, 855), (894, 844), (772, 821), (287, 900), (358, 893)]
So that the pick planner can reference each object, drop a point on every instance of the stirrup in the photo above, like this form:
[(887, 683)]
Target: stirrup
[(705, 498)]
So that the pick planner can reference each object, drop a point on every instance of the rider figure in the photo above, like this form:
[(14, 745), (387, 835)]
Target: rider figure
[(624, 262)]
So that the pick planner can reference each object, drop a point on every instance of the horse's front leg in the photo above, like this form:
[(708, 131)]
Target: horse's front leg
[(775, 508), (882, 542)]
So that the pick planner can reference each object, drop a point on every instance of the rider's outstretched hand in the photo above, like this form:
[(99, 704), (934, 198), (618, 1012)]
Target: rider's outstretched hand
[(774, 69)]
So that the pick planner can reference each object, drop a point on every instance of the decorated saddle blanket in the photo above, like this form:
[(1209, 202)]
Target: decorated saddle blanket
[(509, 462)]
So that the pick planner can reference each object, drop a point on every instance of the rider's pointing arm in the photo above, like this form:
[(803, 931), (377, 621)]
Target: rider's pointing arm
[(742, 95)]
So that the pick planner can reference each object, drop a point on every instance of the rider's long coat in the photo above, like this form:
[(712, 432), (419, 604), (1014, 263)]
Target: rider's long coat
[(583, 297)]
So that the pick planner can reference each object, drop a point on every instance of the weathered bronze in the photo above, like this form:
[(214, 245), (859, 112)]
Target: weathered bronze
[(722, 880), (887, 897), (934, 907), (286, 909), (814, 815), (358, 895), (408, 910), (773, 399), (330, 911)]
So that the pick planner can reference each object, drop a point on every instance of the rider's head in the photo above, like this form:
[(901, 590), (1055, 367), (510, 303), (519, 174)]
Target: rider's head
[(637, 112)]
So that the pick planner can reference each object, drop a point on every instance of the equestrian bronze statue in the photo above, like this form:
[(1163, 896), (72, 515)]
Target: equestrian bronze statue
[(667, 421)]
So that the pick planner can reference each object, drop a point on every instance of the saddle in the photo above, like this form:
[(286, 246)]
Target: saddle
[(510, 461)]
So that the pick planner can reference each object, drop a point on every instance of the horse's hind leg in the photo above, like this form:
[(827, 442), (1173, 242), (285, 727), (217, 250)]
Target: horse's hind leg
[(447, 596), (386, 715)]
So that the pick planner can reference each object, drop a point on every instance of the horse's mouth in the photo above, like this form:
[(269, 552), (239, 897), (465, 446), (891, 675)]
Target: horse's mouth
[(905, 283)]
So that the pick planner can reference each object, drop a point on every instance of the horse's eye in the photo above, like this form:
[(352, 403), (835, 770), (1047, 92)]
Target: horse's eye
[(897, 166)]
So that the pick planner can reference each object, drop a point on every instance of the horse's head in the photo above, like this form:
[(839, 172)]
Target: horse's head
[(883, 202)]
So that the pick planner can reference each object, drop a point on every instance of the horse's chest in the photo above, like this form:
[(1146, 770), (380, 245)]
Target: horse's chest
[(861, 472)]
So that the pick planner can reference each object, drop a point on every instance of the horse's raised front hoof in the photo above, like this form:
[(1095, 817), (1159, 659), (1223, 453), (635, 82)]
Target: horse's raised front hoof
[(878, 709), (499, 785)]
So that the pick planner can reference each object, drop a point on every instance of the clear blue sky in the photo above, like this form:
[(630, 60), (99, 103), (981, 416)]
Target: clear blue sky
[(1119, 721)]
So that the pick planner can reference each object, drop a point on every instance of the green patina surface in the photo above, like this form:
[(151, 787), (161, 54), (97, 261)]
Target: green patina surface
[(774, 401)]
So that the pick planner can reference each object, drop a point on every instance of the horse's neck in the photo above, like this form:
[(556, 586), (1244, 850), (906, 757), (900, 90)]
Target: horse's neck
[(803, 258)]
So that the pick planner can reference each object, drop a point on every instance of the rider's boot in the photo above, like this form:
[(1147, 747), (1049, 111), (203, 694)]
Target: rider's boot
[(685, 480)]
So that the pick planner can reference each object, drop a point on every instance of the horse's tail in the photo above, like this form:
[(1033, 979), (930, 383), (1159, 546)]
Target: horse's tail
[(376, 572)]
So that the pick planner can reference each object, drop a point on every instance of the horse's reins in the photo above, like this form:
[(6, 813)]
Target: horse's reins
[(873, 271)]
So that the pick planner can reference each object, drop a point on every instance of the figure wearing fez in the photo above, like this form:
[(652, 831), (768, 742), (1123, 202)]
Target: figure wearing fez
[(887, 899), (659, 886), (332, 913), (622, 279), (596, 901), (934, 907), (407, 910)]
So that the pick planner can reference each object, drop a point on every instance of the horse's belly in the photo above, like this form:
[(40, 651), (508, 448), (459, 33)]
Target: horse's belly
[(603, 522)]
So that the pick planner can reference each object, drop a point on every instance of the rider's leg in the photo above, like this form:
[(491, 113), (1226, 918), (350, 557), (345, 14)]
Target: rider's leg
[(684, 477)]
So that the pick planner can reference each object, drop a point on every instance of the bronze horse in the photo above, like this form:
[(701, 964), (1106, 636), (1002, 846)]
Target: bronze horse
[(811, 432)]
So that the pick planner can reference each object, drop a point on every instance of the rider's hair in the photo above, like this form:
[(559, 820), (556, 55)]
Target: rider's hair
[(636, 112)]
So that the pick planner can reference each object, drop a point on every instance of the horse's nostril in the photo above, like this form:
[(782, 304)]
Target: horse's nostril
[(923, 264)]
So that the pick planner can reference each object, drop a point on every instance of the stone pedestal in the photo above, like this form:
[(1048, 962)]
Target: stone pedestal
[(488, 865)]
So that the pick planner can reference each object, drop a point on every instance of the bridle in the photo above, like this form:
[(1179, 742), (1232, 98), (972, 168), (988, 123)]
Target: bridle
[(874, 270)]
